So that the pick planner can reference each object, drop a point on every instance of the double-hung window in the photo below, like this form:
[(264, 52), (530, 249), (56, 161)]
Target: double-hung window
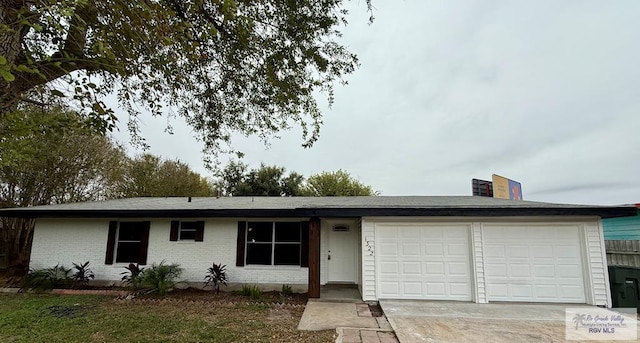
[(127, 241), (187, 231), (273, 243)]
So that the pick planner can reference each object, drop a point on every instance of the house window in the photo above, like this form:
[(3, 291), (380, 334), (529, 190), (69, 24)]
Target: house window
[(187, 231), (273, 243), (132, 241)]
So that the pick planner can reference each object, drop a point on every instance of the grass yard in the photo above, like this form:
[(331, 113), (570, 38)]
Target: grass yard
[(75, 318)]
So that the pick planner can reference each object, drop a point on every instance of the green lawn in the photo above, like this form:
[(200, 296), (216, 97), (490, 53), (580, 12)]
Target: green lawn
[(75, 318)]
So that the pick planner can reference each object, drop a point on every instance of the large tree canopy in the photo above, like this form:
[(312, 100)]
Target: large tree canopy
[(49, 157), (237, 180), (150, 176), (224, 65), (338, 183)]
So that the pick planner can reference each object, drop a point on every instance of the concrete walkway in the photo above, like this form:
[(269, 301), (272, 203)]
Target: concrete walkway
[(353, 322)]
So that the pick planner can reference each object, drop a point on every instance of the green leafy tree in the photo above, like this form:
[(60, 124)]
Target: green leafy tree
[(338, 183), (50, 157), (238, 180), (149, 175), (224, 65)]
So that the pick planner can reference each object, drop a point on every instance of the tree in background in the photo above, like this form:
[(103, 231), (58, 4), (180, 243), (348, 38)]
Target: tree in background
[(50, 157), (150, 176), (338, 183), (224, 65), (237, 180)]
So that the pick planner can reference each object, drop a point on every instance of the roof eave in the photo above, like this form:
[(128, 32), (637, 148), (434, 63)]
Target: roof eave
[(604, 212)]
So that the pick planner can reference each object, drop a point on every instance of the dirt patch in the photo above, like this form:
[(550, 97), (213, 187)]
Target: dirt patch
[(194, 294), (279, 314), (376, 310)]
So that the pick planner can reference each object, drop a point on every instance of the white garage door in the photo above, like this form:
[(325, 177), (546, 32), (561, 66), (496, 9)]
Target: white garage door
[(422, 262), (533, 264)]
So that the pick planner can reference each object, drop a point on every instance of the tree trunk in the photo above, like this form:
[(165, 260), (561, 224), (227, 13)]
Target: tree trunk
[(17, 236), (10, 47)]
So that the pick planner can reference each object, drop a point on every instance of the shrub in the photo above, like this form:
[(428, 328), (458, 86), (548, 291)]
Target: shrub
[(162, 276), (216, 275), (46, 279), (245, 291), (133, 275), (286, 290), (82, 274), (250, 291)]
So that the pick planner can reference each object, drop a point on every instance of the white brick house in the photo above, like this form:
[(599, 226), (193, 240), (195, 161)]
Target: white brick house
[(441, 248)]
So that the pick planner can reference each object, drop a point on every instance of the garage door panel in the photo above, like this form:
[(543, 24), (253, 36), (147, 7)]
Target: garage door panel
[(491, 250), (436, 289), (389, 267), (434, 268), (411, 268), (388, 249), (411, 249), (543, 265), (434, 262), (458, 269), (496, 269), (389, 288), (544, 271), (517, 251), (412, 288), (542, 251), (519, 270), (458, 250)]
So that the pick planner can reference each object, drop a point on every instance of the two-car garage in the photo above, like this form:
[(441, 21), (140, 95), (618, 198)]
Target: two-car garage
[(485, 262)]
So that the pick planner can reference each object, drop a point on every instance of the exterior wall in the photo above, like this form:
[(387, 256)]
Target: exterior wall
[(77, 240), (480, 294), (623, 228), (594, 258), (596, 265), (368, 261)]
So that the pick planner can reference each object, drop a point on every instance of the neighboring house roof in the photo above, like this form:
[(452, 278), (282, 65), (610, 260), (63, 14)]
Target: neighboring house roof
[(316, 206)]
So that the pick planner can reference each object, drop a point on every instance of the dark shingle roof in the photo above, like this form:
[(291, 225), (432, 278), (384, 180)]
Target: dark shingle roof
[(314, 206)]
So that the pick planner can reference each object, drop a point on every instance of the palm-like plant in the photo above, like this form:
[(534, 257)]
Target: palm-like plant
[(83, 274), (216, 275), (132, 275)]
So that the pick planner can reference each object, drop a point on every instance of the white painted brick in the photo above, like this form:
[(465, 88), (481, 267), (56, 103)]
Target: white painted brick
[(77, 240)]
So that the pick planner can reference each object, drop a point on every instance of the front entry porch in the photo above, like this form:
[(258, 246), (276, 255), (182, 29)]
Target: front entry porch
[(334, 257)]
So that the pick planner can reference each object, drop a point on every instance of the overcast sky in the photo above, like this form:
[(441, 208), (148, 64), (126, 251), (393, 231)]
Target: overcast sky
[(546, 93)]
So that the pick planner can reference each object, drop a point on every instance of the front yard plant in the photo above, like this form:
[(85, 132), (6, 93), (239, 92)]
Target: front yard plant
[(162, 276), (216, 275), (133, 276), (82, 274), (48, 278)]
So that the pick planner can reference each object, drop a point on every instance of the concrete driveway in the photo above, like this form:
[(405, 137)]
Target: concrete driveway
[(444, 321)]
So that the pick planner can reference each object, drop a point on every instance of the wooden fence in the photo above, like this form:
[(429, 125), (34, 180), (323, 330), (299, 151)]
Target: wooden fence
[(623, 253)]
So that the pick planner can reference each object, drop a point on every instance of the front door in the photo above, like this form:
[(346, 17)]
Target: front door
[(341, 254)]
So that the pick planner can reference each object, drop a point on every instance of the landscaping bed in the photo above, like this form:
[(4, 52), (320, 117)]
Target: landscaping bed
[(181, 316)]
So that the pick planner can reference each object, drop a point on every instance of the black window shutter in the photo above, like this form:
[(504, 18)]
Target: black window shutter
[(111, 242), (199, 231), (173, 236), (240, 246), (304, 244), (144, 242)]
